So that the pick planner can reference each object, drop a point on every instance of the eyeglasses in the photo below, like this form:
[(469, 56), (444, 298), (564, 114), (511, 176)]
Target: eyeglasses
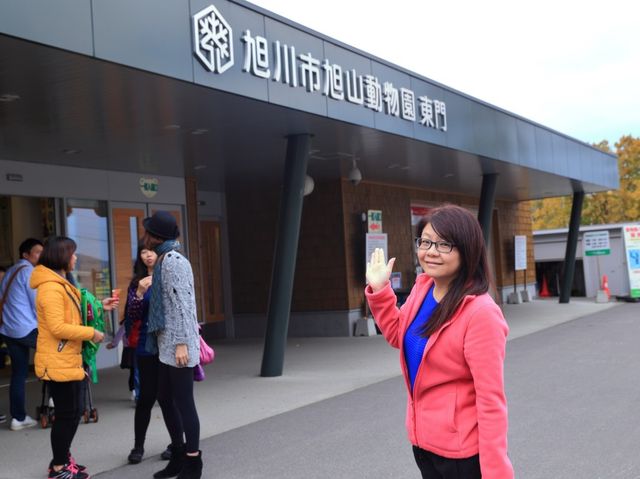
[(441, 246)]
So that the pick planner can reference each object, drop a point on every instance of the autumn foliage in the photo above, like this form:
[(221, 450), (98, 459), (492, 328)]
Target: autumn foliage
[(619, 206)]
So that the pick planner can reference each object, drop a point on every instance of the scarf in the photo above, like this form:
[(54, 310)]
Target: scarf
[(155, 321)]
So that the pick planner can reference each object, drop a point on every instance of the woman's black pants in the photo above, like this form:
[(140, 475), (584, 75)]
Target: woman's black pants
[(175, 395), (433, 466), (148, 376), (68, 400)]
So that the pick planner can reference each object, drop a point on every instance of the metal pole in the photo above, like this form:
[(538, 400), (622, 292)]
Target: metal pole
[(485, 208), (572, 245), (284, 263)]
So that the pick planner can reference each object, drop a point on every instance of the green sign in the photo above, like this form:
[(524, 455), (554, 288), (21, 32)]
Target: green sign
[(597, 252)]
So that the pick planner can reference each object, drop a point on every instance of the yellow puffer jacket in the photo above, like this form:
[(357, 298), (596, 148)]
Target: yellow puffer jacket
[(60, 331)]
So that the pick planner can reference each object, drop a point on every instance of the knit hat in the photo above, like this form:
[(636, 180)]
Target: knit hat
[(163, 225)]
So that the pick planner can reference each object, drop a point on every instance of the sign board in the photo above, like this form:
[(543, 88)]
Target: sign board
[(520, 251), (632, 250), (149, 186), (376, 240), (374, 221), (277, 60), (596, 243)]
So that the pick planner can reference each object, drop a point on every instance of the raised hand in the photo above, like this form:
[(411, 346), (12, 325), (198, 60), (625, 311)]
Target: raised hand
[(110, 303), (143, 286), (379, 272)]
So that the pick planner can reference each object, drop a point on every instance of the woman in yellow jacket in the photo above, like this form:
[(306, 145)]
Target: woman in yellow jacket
[(58, 358)]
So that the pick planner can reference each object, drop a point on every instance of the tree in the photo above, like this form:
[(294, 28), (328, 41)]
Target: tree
[(618, 206)]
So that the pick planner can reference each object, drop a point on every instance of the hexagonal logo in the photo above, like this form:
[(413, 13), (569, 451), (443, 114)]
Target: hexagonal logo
[(213, 40)]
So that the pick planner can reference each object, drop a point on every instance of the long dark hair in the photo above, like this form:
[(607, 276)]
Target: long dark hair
[(139, 268), (457, 225)]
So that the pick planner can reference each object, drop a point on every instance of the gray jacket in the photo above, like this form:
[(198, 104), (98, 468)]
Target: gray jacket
[(181, 321)]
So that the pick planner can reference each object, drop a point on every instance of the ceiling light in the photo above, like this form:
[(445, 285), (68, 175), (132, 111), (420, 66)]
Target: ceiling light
[(172, 127), (448, 175), (71, 151), (309, 184), (199, 167), (199, 131), (355, 175), (9, 97)]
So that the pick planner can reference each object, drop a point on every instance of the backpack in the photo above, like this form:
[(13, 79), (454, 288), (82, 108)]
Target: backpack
[(92, 315)]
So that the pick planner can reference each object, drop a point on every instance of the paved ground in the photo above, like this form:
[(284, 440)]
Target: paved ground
[(338, 410)]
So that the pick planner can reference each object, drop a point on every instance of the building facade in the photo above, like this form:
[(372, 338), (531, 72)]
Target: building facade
[(221, 112)]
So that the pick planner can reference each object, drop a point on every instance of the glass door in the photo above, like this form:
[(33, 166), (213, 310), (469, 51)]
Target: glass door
[(126, 224)]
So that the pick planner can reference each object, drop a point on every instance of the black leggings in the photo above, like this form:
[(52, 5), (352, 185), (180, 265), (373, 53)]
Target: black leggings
[(148, 374), (69, 405), (175, 395)]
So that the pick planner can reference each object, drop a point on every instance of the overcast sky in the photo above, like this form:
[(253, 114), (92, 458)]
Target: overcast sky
[(573, 66)]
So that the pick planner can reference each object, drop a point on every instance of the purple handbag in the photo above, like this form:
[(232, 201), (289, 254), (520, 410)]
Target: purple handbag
[(198, 373)]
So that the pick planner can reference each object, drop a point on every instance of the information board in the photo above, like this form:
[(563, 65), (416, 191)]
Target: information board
[(596, 243), (632, 249), (520, 249)]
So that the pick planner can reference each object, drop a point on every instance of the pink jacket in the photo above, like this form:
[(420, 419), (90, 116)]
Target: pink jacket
[(458, 407)]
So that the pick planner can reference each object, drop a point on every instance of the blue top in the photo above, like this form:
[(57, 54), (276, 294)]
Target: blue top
[(19, 311), (414, 343)]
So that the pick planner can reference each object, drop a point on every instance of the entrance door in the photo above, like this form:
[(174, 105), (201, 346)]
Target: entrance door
[(211, 262), (127, 228)]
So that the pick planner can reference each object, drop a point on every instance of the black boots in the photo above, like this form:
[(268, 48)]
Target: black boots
[(192, 468), (135, 456), (175, 463)]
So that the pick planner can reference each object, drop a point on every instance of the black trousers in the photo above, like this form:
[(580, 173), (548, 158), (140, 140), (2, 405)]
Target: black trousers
[(433, 466), (148, 374), (69, 405), (175, 395)]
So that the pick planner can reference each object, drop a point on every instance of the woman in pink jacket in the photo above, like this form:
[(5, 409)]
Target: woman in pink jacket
[(451, 336)]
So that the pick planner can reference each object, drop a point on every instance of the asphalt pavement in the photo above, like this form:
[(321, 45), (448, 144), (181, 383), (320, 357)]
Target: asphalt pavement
[(338, 411)]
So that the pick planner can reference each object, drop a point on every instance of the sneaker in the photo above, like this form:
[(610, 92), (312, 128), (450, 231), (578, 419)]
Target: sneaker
[(68, 471), (73, 463), (27, 422), (3, 418), (81, 470), (135, 456), (79, 467)]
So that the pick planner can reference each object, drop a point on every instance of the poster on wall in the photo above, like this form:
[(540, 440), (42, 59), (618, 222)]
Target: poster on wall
[(374, 221), (418, 212), (632, 250)]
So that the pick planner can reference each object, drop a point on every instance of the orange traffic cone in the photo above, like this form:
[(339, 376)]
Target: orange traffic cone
[(544, 290), (605, 285)]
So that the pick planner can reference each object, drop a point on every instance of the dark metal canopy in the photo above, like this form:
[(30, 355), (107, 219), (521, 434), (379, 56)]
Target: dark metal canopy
[(74, 109)]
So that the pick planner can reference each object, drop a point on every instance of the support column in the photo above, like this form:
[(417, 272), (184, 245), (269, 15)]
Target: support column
[(569, 265), (284, 263), (485, 208)]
